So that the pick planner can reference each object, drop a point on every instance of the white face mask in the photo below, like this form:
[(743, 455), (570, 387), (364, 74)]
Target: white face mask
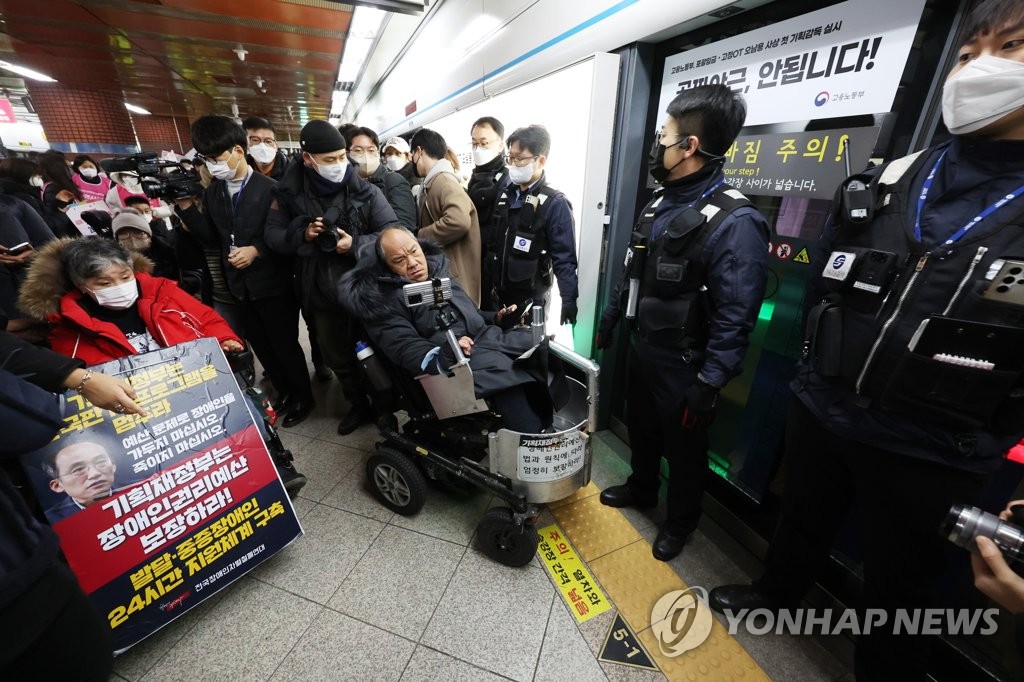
[(36, 181), (482, 156), (221, 170), (984, 91), (118, 297), (262, 153), (396, 163), (520, 175), (334, 172), (131, 182), (367, 163), (88, 172)]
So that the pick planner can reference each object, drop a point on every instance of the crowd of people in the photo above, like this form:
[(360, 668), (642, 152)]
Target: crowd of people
[(333, 233)]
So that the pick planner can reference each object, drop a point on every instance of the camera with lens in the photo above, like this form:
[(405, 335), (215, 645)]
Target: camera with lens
[(964, 523), (167, 180), (327, 240)]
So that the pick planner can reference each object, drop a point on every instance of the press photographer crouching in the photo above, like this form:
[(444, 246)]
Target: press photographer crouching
[(410, 337)]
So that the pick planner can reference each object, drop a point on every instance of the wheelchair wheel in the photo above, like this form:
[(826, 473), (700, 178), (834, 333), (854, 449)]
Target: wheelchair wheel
[(396, 482), (502, 541)]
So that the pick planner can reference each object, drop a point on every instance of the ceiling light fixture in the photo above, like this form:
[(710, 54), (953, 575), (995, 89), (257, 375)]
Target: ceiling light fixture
[(27, 73), (135, 110), (241, 52)]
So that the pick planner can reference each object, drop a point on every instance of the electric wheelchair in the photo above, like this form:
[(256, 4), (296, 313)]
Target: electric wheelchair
[(455, 439)]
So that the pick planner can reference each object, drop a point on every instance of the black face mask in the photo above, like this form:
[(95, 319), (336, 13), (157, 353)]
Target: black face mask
[(656, 161)]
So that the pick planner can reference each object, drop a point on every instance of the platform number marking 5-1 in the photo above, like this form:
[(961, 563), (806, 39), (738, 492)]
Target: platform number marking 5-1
[(621, 646)]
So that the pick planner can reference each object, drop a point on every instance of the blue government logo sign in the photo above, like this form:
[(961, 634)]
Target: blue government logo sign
[(821, 99)]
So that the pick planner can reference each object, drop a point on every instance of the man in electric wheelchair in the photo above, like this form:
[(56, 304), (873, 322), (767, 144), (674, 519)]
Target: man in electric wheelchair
[(505, 373)]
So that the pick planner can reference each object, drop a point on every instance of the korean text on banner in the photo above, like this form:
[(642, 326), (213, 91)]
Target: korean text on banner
[(157, 513), (843, 60)]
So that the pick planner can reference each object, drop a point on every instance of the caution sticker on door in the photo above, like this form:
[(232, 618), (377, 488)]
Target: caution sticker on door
[(578, 587)]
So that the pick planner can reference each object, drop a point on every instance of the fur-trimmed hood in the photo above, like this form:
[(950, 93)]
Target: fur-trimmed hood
[(46, 282), (365, 290)]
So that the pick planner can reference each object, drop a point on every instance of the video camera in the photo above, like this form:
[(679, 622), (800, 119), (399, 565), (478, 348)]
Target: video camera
[(167, 180)]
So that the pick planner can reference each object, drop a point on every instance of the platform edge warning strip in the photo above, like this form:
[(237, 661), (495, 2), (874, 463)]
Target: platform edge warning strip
[(634, 581)]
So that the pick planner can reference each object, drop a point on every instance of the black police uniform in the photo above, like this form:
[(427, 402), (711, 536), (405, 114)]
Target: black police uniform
[(485, 186), (533, 244), (702, 284), (911, 389)]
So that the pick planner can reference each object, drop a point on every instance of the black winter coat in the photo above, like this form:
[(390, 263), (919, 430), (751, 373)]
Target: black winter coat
[(271, 273), (406, 335), (398, 193), (364, 210), (28, 548)]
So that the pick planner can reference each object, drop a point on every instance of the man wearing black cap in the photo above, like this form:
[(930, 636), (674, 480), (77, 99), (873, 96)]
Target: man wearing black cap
[(322, 213)]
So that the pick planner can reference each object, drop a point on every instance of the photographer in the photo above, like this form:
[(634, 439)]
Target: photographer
[(236, 203), (322, 212), (996, 580)]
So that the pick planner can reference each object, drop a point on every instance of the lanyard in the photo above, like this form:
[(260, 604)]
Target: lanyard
[(705, 195), (958, 235), (238, 195)]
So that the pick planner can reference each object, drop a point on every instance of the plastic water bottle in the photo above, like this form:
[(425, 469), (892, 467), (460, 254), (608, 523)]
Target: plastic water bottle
[(375, 372)]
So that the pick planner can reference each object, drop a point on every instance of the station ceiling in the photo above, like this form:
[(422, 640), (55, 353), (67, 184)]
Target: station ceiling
[(177, 57)]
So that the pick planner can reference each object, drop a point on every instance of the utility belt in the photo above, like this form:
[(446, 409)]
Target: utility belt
[(961, 369)]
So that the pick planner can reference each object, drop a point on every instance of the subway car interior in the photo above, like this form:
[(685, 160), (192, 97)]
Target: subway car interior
[(728, 429)]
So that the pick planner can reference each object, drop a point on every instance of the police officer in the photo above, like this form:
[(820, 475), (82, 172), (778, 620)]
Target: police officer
[(910, 390), (488, 181), (534, 240), (693, 287)]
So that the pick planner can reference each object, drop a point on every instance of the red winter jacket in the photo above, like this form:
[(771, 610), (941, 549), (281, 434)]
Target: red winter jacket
[(170, 315)]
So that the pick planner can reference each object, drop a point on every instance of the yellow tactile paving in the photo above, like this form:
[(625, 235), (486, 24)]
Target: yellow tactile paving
[(634, 580), (585, 491), (594, 532), (719, 658)]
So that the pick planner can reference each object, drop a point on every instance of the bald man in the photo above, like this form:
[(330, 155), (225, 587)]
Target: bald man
[(85, 472)]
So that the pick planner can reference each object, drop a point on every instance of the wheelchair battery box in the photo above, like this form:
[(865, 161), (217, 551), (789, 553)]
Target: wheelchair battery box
[(431, 292)]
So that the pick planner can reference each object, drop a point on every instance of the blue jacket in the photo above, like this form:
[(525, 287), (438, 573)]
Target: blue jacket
[(735, 257)]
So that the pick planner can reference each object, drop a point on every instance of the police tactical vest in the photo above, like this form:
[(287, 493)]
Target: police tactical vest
[(674, 308), (923, 331), (519, 257)]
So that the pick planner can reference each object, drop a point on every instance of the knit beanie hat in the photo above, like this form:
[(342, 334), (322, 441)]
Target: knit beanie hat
[(320, 136), (129, 217)]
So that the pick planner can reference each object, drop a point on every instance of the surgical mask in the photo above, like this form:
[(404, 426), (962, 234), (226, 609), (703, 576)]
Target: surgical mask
[(520, 175), (88, 172), (396, 163), (131, 182), (36, 181), (262, 153), (482, 156), (984, 91), (118, 297), (221, 170), (368, 163), (334, 172)]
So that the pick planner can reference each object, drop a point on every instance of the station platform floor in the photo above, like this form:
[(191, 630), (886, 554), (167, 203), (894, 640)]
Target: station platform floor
[(367, 594)]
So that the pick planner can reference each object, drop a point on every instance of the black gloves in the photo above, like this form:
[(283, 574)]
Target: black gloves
[(569, 311), (701, 399), (606, 332)]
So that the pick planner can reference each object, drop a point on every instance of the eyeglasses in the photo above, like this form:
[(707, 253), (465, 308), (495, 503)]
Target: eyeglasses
[(269, 141), (683, 138), (80, 471), (519, 161)]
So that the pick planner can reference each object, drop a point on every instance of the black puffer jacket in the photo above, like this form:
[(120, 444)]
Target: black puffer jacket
[(297, 203), (407, 335)]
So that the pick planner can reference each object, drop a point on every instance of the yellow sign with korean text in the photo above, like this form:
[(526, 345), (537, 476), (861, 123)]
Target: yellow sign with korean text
[(578, 587)]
